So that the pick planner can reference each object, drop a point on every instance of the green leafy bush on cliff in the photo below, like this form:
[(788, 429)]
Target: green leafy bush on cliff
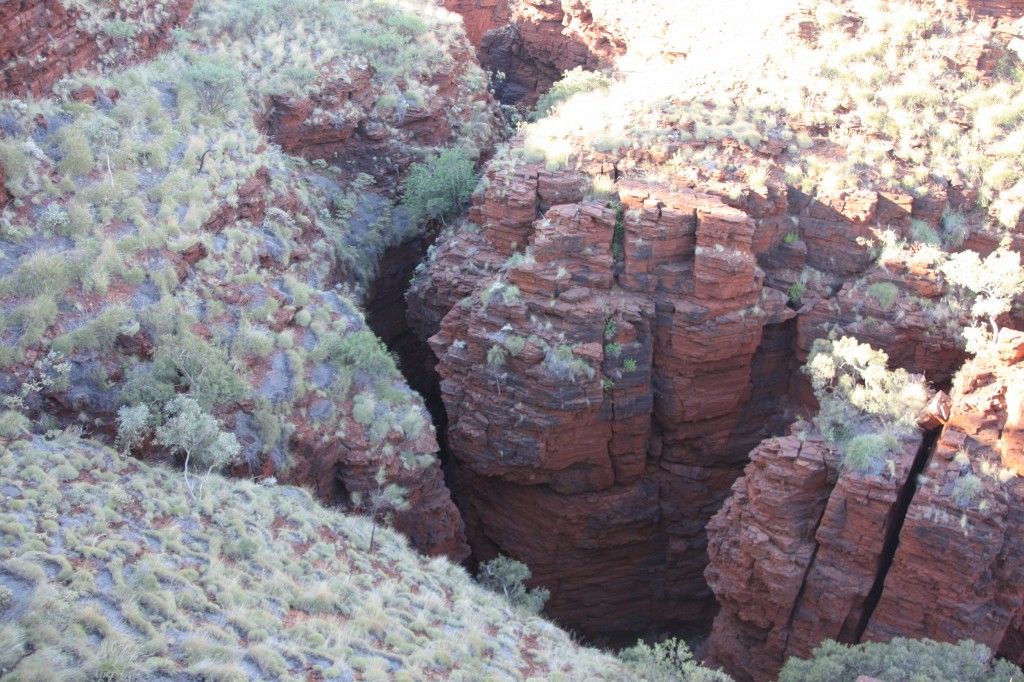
[(437, 188), (901, 660)]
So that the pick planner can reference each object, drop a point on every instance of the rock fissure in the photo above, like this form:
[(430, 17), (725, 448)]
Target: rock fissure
[(892, 539)]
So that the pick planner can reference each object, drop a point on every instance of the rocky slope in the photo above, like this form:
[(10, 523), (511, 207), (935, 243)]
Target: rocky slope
[(160, 239)]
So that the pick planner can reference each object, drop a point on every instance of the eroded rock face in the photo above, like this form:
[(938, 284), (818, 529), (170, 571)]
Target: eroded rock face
[(43, 41), (800, 551), (596, 400), (533, 42)]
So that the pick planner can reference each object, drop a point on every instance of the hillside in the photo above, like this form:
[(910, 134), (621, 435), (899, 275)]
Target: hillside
[(110, 570)]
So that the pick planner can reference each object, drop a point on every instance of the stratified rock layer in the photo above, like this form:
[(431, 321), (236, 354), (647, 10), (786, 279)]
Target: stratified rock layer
[(43, 41), (799, 552)]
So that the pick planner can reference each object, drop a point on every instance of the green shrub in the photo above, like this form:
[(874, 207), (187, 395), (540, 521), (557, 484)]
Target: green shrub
[(438, 187), (900, 660), (562, 363), (791, 237), (795, 292), (13, 424), (216, 81), (921, 231), (496, 356), (189, 429), (572, 82), (668, 661), (859, 394), (885, 294), (508, 577), (514, 344), (965, 489)]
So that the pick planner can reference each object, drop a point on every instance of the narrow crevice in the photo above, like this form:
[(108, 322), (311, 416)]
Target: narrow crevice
[(386, 309), (895, 527)]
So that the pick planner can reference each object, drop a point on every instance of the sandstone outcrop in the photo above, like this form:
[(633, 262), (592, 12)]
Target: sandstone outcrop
[(43, 41), (595, 392), (804, 552)]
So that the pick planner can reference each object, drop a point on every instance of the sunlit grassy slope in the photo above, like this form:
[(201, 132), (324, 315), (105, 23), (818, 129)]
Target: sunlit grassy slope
[(109, 570)]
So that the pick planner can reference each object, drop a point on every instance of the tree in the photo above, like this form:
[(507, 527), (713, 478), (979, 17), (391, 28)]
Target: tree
[(132, 425), (440, 186), (381, 501), (864, 407), (994, 281), (508, 577), (198, 435)]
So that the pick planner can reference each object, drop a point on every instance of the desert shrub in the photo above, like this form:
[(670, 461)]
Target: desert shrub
[(496, 356), (514, 344), (795, 292), (40, 272), (216, 81), (508, 577), (363, 351), (438, 187), (189, 429), (562, 363), (864, 454), (132, 426), (667, 661), (921, 231), (965, 489), (572, 82), (900, 660), (858, 394), (994, 281), (885, 293)]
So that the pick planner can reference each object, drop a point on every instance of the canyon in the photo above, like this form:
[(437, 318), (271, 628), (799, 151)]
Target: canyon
[(609, 345)]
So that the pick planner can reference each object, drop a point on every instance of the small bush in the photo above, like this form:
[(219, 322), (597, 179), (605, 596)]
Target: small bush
[(667, 661), (496, 356), (864, 454), (13, 424), (885, 294), (921, 231), (508, 577), (795, 292), (439, 187), (216, 81), (965, 489)]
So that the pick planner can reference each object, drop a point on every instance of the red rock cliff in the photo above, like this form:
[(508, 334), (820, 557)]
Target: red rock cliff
[(799, 553)]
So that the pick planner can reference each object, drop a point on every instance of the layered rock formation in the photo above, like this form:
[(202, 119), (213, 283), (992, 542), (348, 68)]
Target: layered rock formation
[(599, 393), (803, 552), (43, 40)]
